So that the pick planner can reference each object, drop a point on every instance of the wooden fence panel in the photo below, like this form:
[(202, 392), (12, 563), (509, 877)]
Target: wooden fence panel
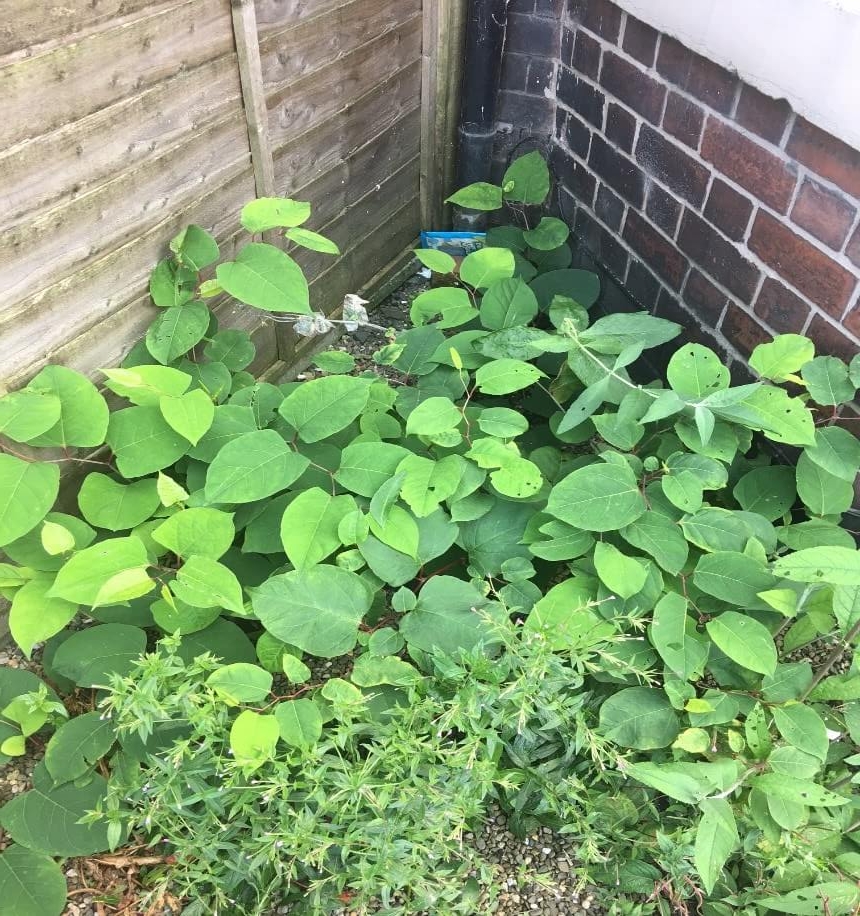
[(123, 120)]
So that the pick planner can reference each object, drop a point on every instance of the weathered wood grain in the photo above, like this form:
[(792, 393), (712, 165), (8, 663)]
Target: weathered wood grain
[(320, 41), (71, 161), (273, 14), (70, 82), (327, 92)]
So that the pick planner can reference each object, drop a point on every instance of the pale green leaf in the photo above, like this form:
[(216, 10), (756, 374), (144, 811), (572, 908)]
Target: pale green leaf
[(83, 411), (266, 278), (321, 407), (274, 213), (106, 503), (253, 466), (744, 640), (27, 492), (240, 683)]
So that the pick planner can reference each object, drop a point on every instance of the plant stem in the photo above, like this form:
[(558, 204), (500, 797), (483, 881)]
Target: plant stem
[(831, 660)]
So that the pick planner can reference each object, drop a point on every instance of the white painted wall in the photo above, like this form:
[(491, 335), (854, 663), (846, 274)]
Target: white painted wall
[(806, 51)]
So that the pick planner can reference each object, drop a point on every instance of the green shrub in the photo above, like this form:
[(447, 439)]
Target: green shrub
[(660, 568)]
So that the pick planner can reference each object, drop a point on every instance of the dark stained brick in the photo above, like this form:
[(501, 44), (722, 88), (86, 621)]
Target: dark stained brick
[(640, 41), (617, 171), (602, 244), (762, 115), (642, 285), (662, 209), (769, 178), (683, 119), (552, 9), (780, 308), (620, 127), (717, 257), (515, 69), (826, 215), (671, 165), (703, 298), (586, 55), (728, 210), (568, 37), (532, 35), (824, 154), (541, 75), (742, 330), (529, 113), (633, 87), (655, 250), (829, 340), (574, 176), (824, 282), (574, 133), (581, 96), (609, 208), (696, 75), (598, 16)]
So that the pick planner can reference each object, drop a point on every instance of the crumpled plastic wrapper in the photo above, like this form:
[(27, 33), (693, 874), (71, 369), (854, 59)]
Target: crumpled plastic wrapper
[(354, 316), (313, 325)]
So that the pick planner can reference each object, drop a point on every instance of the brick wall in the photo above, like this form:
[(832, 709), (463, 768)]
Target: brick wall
[(708, 202)]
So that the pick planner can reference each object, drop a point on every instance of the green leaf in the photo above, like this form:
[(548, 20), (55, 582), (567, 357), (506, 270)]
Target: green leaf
[(821, 492), (89, 657), (233, 348), (744, 640), (502, 422), (669, 779), (831, 898), (203, 582), (195, 248), (324, 406), (274, 213), (769, 491), (789, 761), (797, 791), (659, 537), (172, 284), (827, 380), (142, 441), (77, 745), (835, 451), (486, 266), (366, 466), (240, 683), (105, 503), (716, 839), (695, 372), (190, 414), (453, 304), (27, 492), (335, 362), (639, 717), (207, 532), (145, 385), (312, 240), (177, 330), (252, 467), (783, 357), (428, 483), (300, 722), (803, 728), (527, 179), (829, 565), (504, 376), (317, 609), (254, 737), (295, 670), (477, 196), (31, 883), (670, 635), (24, 415), (372, 670), (83, 576), (399, 531), (438, 261), (733, 577), (612, 334), (56, 539), (83, 411), (418, 356), (582, 287), (598, 497), (266, 278), (508, 303), (309, 526), (434, 416), (176, 615), (34, 617), (548, 234), (446, 617), (625, 576), (846, 607)]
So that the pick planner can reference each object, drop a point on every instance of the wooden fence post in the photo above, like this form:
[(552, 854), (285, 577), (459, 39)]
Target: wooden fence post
[(254, 95)]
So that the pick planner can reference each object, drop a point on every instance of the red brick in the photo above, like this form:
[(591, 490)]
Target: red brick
[(852, 249), (769, 178), (662, 209), (633, 87), (781, 309), (672, 166), (728, 210), (717, 257), (696, 75), (620, 127), (703, 298), (617, 171), (824, 154), (694, 331), (825, 214), (762, 115), (683, 119), (656, 251), (821, 280), (829, 339), (742, 330), (640, 41), (852, 320), (598, 16), (586, 55)]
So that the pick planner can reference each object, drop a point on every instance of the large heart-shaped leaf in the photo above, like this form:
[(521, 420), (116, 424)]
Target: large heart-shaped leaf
[(266, 278)]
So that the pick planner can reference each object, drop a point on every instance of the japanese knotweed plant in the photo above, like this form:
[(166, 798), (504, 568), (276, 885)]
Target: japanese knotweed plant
[(705, 598)]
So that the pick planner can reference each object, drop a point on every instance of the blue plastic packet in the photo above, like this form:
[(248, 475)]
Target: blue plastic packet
[(457, 244)]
